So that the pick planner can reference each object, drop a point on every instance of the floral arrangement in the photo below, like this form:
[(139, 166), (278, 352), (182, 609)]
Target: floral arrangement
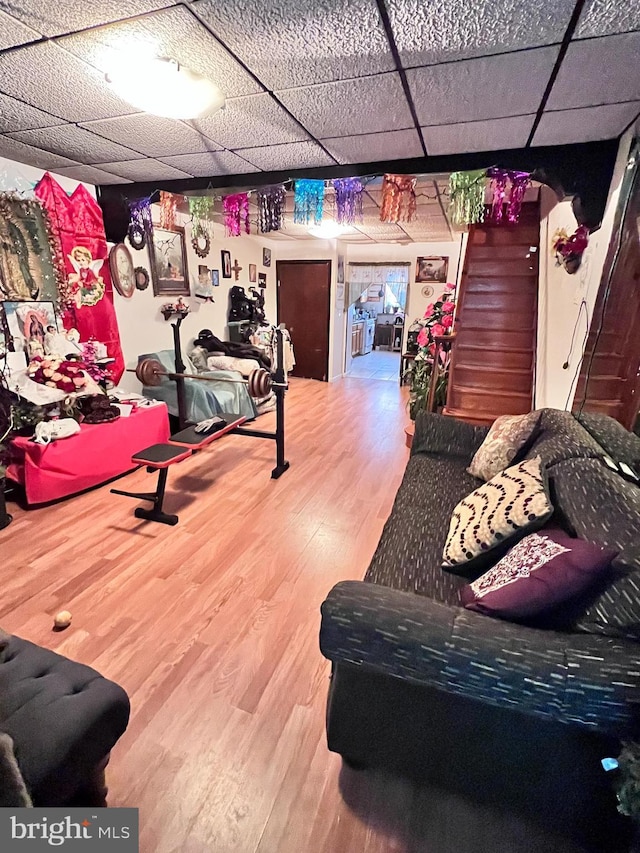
[(90, 356), (58, 373), (436, 322), (568, 250), (180, 308)]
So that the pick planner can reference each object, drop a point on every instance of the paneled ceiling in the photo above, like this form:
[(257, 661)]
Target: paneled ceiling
[(314, 82)]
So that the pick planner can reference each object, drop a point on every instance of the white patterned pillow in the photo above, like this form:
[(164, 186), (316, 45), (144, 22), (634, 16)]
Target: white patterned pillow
[(498, 514), (506, 438)]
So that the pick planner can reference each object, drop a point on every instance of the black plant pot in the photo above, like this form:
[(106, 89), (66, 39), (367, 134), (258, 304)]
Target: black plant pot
[(5, 518)]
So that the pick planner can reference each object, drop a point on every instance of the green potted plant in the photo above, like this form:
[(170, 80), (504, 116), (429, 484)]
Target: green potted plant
[(436, 322)]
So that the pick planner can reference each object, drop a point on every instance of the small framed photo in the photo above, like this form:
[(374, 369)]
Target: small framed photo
[(262, 279), (266, 257), (340, 271), (215, 278), (31, 327), (252, 272), (226, 263), (432, 268), (168, 258)]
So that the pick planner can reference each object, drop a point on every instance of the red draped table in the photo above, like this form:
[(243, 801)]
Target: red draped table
[(97, 454)]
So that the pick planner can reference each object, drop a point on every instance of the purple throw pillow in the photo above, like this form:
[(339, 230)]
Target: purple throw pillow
[(543, 570)]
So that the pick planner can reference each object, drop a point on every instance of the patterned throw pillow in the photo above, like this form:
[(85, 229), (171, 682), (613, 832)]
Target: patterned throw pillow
[(492, 519), (507, 437), (542, 571)]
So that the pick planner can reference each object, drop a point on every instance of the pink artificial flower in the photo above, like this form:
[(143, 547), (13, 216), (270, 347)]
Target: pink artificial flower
[(423, 338), (447, 321), (448, 307), (450, 286), (428, 311), (432, 349), (437, 329)]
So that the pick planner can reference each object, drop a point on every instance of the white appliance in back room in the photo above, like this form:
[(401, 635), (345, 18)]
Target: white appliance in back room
[(367, 338)]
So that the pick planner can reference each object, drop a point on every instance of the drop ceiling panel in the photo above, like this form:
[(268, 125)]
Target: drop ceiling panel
[(598, 71), (431, 32), (52, 17), (12, 32), (349, 107), (36, 74), (491, 87), (153, 135), (585, 125), (174, 33), (492, 135), (371, 147), (292, 155), (14, 150), (214, 163), (250, 122), (289, 43), (381, 230), (144, 170), (605, 17), (14, 115), (79, 144), (91, 175)]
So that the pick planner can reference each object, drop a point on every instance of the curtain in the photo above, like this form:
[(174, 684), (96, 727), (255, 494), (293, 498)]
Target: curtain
[(368, 281)]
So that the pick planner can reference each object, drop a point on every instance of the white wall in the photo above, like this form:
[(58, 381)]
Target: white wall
[(561, 295), (144, 329)]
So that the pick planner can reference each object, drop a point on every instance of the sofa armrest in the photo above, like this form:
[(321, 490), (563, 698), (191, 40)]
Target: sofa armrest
[(442, 434), (583, 679)]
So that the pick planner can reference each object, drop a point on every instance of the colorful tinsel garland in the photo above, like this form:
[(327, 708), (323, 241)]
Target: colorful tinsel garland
[(168, 204), (236, 214), (398, 198), (308, 202), (271, 203), (140, 224), (348, 200), (466, 196)]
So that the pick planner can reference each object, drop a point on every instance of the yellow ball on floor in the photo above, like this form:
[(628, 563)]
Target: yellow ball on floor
[(62, 619)]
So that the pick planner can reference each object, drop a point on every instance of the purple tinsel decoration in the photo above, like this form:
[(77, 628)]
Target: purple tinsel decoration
[(308, 200), (271, 208), (236, 214), (140, 214), (499, 180), (519, 184), (348, 200)]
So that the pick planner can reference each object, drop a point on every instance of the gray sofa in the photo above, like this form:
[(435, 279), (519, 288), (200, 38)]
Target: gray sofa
[(519, 714)]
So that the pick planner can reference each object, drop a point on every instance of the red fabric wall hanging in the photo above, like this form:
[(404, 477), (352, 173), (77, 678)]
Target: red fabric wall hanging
[(87, 303)]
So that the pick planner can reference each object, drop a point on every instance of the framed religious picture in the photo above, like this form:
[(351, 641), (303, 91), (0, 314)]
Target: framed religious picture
[(123, 274), (266, 257), (32, 327), (27, 268), (433, 268), (262, 279), (226, 263), (215, 278), (252, 272), (168, 257)]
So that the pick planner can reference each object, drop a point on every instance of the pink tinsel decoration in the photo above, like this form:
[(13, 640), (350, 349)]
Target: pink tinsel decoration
[(236, 214), (499, 180), (519, 183)]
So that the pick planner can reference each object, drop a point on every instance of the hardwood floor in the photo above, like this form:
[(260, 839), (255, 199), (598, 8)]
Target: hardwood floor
[(212, 626)]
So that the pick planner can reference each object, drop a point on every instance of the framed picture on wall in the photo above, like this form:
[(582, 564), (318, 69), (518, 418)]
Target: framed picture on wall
[(215, 278), (340, 270), (226, 263), (168, 257), (32, 327), (432, 268), (252, 272), (262, 279), (266, 257)]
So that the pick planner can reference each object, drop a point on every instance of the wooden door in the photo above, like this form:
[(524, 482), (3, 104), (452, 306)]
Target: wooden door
[(492, 366), (304, 298)]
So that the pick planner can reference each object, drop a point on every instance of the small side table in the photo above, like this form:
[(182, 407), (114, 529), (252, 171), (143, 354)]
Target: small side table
[(406, 359)]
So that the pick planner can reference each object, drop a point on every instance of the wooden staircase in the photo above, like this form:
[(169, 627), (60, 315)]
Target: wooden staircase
[(493, 363)]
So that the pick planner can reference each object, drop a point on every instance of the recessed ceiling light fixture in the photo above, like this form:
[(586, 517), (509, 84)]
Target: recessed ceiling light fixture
[(328, 230), (163, 87)]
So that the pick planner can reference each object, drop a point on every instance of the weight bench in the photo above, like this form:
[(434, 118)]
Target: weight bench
[(159, 457)]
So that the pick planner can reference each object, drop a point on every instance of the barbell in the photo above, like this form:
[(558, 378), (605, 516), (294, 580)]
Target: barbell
[(259, 384)]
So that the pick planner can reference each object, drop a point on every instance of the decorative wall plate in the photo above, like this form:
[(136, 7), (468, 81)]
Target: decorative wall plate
[(123, 274), (142, 278), (201, 244), (427, 291), (137, 235)]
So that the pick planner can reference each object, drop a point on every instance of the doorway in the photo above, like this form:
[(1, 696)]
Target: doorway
[(303, 303), (375, 319)]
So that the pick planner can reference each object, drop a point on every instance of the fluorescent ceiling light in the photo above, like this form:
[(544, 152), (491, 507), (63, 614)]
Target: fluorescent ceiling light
[(163, 87), (328, 230)]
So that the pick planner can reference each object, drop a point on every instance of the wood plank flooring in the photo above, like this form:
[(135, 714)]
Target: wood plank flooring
[(212, 628)]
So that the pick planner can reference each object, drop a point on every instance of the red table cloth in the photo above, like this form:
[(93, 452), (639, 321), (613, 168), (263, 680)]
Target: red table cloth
[(98, 453)]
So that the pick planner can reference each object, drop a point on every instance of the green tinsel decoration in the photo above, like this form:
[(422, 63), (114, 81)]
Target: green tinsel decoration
[(200, 209), (466, 194)]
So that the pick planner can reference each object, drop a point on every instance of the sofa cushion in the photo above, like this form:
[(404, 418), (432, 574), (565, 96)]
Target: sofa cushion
[(506, 438), (13, 791), (618, 442), (596, 503), (409, 554), (543, 570), (489, 521), (560, 436), (62, 716), (441, 435)]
